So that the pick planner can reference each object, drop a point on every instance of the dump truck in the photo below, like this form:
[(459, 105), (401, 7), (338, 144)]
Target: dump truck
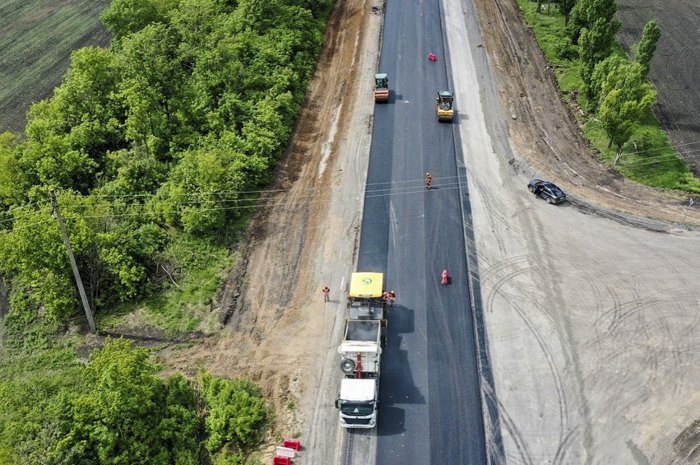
[(381, 87), (443, 106), (360, 351), (360, 361)]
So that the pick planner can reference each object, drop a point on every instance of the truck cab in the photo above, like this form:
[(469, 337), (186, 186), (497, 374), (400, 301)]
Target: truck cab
[(358, 403)]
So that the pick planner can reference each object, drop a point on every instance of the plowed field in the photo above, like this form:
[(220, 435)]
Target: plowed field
[(36, 40), (675, 67)]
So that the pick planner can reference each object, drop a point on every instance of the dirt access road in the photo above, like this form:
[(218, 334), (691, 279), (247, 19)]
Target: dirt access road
[(613, 379)]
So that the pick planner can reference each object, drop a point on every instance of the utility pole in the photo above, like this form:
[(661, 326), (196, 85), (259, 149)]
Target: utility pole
[(76, 273)]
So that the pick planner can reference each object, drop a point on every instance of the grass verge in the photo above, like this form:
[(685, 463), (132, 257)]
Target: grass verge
[(198, 269)]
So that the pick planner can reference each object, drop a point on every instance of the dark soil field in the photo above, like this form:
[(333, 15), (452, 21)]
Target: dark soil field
[(36, 40), (675, 67)]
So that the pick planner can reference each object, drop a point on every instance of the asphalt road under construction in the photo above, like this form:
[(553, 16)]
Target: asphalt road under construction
[(430, 404)]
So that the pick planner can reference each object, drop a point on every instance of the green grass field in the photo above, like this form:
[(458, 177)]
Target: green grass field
[(36, 40)]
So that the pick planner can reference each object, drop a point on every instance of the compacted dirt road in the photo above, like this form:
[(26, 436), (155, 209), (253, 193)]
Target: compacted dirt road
[(591, 324), (279, 332)]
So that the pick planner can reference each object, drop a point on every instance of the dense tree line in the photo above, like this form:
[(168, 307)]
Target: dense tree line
[(159, 135), (115, 410), (615, 86)]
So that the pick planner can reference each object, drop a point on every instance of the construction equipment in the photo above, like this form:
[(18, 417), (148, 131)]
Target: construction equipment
[(360, 354), (443, 106), (365, 298), (381, 87), (360, 351)]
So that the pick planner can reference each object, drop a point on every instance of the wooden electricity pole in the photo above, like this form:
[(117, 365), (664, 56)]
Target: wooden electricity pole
[(76, 273)]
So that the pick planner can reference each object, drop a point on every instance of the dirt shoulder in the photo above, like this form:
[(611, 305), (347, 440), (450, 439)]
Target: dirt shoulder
[(546, 135)]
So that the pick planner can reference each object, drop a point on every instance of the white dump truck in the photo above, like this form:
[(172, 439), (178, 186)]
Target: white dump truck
[(360, 352)]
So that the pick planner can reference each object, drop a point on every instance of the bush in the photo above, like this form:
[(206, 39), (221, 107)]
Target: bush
[(644, 143), (237, 414), (565, 49)]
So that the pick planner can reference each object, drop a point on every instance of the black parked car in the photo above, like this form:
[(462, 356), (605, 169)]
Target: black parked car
[(547, 190)]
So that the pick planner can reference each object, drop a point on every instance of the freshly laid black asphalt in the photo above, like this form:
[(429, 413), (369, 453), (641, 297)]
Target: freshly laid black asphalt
[(430, 408)]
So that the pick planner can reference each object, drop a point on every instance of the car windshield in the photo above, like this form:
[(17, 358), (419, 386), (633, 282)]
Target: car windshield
[(357, 409), (554, 190)]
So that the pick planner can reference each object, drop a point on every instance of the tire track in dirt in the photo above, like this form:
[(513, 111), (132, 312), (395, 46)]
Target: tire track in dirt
[(563, 447), (496, 290), (496, 211), (504, 265), (513, 430)]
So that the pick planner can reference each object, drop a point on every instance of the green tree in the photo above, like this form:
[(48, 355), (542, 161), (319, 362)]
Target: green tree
[(123, 417), (68, 134), (600, 75), (625, 97), (237, 414), (124, 17), (13, 182), (132, 173), (593, 27), (180, 425), (112, 257), (32, 253), (647, 46), (595, 44), (47, 157), (86, 104), (586, 13), (566, 6), (151, 88), (202, 192)]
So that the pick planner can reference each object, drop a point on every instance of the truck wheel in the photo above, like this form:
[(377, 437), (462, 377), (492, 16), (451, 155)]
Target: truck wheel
[(347, 365)]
